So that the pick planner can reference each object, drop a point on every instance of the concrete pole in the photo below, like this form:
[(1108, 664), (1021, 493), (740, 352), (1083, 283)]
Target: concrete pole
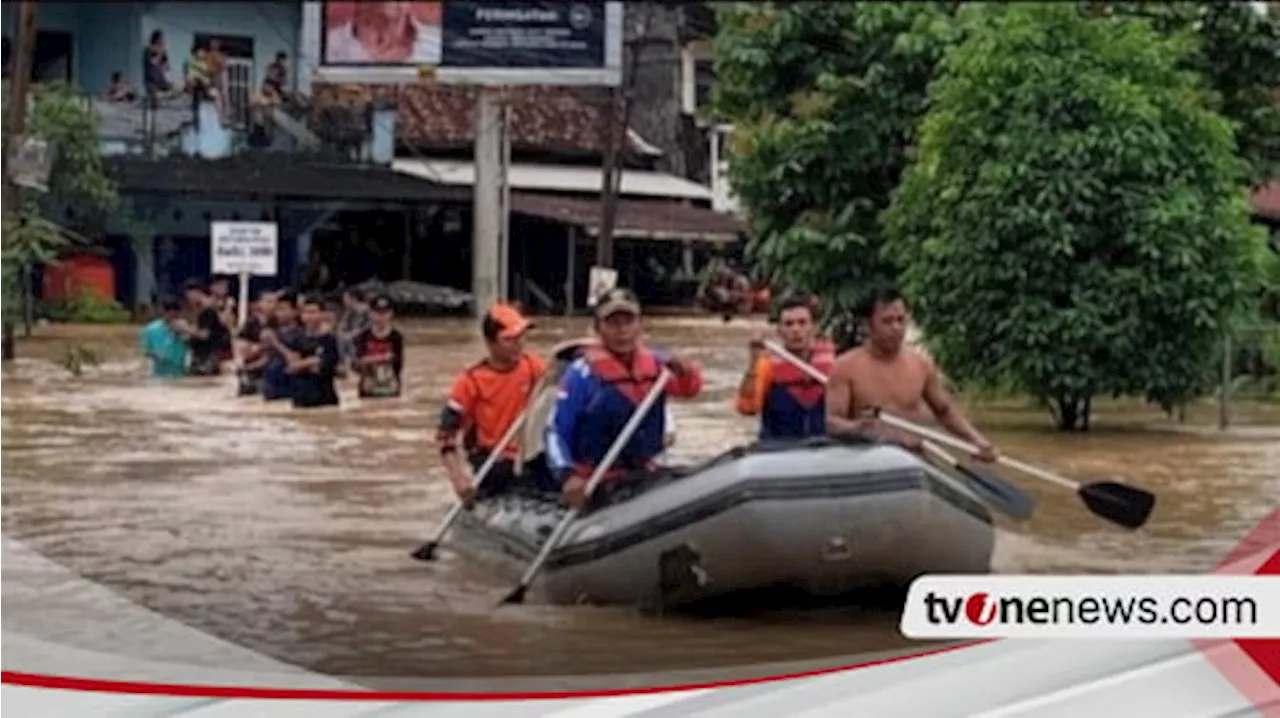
[(20, 87), (486, 222)]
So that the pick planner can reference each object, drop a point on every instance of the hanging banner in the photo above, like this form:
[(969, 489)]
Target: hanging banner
[(457, 42), (523, 34)]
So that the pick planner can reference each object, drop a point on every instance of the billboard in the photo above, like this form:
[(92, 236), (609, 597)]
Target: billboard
[(503, 42)]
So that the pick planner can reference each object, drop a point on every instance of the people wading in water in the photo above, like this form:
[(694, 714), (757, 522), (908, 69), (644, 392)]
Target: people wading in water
[(885, 373), (251, 348), (209, 337), (379, 353), (313, 367), (280, 341)]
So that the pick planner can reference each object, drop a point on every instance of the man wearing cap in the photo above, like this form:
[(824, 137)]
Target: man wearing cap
[(484, 401), (378, 353), (601, 390)]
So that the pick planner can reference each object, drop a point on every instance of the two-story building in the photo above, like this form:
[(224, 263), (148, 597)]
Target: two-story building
[(180, 165), (370, 182)]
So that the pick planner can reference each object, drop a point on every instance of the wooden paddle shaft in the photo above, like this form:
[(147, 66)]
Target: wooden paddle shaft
[(483, 471), (961, 445)]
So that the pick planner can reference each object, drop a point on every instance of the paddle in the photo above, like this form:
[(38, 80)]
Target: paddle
[(1124, 505), (427, 551), (999, 493), (517, 594)]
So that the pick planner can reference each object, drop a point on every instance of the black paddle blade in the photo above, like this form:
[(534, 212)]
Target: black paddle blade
[(1001, 494), (516, 596), (1127, 506), (425, 552)]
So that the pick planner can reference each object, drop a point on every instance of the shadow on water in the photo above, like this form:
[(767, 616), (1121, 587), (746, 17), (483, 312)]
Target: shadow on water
[(288, 532)]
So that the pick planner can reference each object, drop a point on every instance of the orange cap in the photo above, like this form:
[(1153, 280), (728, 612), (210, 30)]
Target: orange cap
[(505, 321)]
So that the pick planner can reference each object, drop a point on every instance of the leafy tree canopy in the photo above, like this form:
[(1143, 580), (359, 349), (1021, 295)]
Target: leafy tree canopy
[(62, 118), (1076, 223), (1237, 51), (824, 99)]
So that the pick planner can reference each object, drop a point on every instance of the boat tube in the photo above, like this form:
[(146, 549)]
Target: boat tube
[(824, 516)]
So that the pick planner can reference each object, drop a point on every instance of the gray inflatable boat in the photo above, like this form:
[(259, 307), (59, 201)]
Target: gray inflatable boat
[(821, 516)]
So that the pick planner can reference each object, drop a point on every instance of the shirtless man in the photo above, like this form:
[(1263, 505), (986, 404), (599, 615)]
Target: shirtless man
[(885, 373)]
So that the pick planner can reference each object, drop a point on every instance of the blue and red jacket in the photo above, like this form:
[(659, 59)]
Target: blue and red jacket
[(598, 394), (791, 404)]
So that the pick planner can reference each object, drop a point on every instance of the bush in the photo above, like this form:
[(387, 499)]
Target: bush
[(86, 308)]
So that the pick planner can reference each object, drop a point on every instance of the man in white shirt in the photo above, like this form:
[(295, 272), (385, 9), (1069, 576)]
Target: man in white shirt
[(383, 33)]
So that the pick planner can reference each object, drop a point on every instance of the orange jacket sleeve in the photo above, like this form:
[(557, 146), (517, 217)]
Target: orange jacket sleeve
[(751, 396), (687, 386), (458, 412)]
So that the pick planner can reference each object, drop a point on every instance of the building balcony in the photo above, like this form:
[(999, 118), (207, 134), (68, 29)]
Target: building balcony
[(179, 126)]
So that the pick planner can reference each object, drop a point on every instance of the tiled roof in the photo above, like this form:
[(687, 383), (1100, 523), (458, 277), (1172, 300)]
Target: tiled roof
[(442, 117), (1266, 201), (636, 218)]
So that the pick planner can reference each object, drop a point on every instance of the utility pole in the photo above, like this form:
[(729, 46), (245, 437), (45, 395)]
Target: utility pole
[(616, 127), (20, 88), (487, 252), (609, 198)]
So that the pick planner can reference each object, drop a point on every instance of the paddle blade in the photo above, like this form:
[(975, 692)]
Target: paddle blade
[(1127, 506), (1001, 494), (425, 552), (516, 596)]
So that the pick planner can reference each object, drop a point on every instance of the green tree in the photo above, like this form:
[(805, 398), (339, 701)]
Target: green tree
[(824, 99), (61, 117), (1076, 224), (1238, 53)]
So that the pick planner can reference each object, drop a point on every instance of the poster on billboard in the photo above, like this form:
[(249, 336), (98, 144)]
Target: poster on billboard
[(503, 42)]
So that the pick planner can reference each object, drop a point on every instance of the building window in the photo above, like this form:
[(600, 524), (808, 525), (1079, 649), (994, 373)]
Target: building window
[(704, 83), (237, 82), (698, 78)]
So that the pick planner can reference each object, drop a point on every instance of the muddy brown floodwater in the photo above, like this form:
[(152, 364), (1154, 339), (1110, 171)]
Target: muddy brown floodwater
[(289, 532)]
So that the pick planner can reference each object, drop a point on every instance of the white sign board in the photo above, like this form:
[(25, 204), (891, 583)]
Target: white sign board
[(245, 248), (599, 281)]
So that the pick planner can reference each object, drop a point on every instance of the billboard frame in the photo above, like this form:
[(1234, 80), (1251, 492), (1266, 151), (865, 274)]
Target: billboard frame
[(610, 75)]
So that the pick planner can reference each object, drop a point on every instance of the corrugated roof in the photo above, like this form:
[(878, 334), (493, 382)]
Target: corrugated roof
[(636, 218), (558, 178)]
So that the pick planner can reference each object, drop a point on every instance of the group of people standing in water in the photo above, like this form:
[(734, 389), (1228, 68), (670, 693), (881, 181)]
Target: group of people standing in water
[(291, 346)]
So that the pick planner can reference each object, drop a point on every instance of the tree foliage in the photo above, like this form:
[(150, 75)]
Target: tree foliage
[(824, 99), (1076, 223), (62, 118), (1238, 52)]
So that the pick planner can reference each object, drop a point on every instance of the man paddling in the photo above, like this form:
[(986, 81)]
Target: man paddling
[(484, 401), (887, 374), (788, 401), (598, 394)]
